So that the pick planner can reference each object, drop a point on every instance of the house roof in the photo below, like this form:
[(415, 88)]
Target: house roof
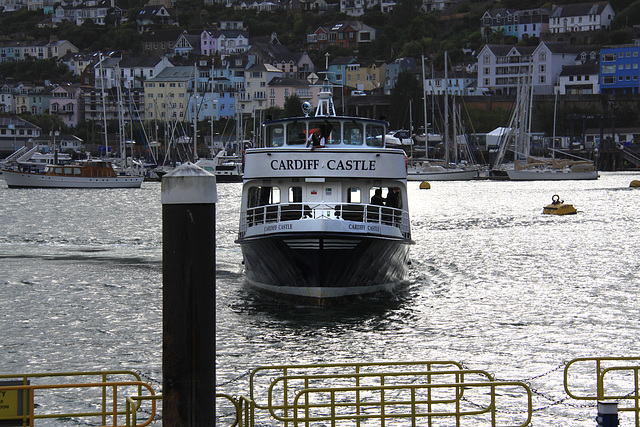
[(140, 61), (174, 74), (580, 9), (588, 68), (286, 81), (6, 121)]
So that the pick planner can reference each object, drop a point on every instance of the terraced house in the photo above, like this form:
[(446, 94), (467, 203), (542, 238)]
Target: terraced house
[(167, 94)]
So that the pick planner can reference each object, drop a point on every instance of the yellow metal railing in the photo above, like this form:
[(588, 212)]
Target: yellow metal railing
[(629, 370), (261, 377), (111, 395), (408, 401), (289, 385), (419, 391)]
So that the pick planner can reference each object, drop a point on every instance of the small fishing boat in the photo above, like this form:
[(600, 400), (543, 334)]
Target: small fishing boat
[(309, 228), (90, 173)]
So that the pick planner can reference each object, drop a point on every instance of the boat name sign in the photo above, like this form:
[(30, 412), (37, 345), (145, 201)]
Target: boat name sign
[(353, 228), (369, 165), (332, 164)]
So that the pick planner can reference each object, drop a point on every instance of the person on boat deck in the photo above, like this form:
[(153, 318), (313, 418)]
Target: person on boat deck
[(393, 198), (316, 140), (377, 199)]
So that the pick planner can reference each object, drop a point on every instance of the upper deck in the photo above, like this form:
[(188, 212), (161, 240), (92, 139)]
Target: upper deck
[(352, 147)]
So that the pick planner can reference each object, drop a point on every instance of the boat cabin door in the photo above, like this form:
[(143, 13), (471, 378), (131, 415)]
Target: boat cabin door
[(322, 197)]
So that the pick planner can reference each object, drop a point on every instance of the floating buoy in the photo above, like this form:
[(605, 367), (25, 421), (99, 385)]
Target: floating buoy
[(635, 183), (558, 207), (425, 185)]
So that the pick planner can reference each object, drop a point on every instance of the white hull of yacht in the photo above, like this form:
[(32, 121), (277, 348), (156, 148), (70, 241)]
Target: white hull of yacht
[(550, 175), (443, 175), (16, 179)]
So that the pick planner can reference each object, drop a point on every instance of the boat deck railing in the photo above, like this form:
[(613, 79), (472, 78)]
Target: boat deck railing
[(356, 212)]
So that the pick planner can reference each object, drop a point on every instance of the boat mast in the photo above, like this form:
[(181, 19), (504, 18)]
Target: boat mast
[(195, 112), (424, 102), (446, 113), (104, 109), (121, 128), (555, 112)]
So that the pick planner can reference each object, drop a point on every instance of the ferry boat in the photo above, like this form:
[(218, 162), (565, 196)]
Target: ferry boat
[(89, 173), (308, 229)]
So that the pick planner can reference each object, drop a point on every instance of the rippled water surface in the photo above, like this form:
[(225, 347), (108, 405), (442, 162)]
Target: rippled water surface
[(494, 285)]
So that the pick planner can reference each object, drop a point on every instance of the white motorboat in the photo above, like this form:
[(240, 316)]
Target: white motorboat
[(307, 227), (225, 168)]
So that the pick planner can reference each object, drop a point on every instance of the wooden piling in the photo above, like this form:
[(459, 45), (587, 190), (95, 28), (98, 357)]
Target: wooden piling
[(188, 198)]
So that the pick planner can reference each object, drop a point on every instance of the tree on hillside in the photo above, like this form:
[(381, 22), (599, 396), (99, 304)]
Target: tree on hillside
[(292, 106), (407, 90)]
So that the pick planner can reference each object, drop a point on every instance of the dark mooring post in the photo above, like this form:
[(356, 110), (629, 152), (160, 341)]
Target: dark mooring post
[(607, 414), (189, 196)]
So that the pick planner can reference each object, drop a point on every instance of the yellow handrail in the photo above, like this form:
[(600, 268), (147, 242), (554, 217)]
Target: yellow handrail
[(284, 384), (598, 361), (621, 364), (335, 404), (113, 413)]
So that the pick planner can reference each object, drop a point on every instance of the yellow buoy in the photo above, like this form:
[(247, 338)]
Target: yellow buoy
[(635, 183), (425, 185), (558, 207)]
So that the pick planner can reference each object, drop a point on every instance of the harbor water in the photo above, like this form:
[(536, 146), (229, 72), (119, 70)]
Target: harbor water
[(494, 284)]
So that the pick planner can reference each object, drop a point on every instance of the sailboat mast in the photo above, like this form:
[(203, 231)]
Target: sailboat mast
[(424, 102), (446, 112), (104, 109), (555, 112), (195, 112)]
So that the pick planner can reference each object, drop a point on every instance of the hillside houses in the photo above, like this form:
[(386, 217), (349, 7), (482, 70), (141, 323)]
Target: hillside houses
[(237, 73)]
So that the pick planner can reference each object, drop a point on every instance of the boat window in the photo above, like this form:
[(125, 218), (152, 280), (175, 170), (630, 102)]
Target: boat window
[(260, 196), (68, 171), (354, 195), (353, 133), (386, 196), (58, 170), (296, 133), (275, 136), (374, 135), (76, 171), (330, 130), (295, 194)]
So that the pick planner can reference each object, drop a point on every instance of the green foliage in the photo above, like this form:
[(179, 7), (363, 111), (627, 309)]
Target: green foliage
[(406, 91), (35, 70), (273, 113), (292, 106)]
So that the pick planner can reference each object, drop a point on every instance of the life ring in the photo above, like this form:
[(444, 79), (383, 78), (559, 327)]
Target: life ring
[(555, 200)]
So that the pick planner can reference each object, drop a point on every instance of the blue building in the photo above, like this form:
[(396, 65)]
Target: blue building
[(620, 69)]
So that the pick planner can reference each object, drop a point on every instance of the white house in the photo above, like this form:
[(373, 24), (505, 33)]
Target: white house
[(502, 68), (582, 78), (572, 18)]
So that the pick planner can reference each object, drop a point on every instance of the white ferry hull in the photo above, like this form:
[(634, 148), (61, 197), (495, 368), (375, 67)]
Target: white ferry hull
[(38, 180), (320, 266), (550, 175)]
